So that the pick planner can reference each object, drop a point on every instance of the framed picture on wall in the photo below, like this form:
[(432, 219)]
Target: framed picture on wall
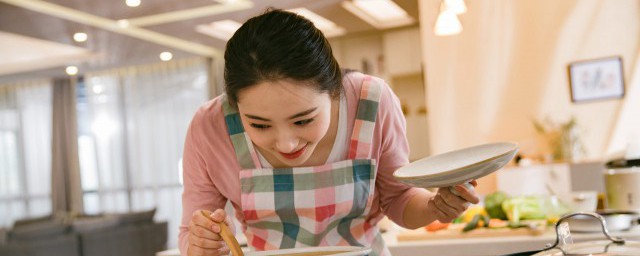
[(596, 79)]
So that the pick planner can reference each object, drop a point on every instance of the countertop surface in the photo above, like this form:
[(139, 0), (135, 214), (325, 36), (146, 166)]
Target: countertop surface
[(477, 246)]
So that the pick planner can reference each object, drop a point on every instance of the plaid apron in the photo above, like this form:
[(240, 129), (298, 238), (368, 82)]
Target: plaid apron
[(322, 205)]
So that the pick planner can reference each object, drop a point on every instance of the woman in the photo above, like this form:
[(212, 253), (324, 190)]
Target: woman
[(304, 152)]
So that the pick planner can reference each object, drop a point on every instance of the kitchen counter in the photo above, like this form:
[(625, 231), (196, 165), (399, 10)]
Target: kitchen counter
[(490, 245), (477, 246)]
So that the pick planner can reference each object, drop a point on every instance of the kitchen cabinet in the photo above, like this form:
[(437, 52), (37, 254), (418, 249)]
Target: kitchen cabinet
[(402, 52)]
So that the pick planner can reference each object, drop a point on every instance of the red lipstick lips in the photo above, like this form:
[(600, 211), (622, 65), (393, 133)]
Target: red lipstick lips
[(293, 155)]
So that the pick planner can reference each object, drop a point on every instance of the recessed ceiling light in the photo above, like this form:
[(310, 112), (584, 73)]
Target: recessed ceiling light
[(80, 37), (71, 70), (328, 27), (133, 3), (381, 14), (223, 29), (166, 56)]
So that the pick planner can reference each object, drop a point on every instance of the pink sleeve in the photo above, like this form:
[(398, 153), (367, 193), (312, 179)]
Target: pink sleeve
[(200, 192), (394, 153)]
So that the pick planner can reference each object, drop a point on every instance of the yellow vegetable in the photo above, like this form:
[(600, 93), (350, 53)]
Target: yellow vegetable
[(472, 211)]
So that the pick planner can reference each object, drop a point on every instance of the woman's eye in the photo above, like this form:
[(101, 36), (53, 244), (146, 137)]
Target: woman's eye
[(260, 126), (303, 122)]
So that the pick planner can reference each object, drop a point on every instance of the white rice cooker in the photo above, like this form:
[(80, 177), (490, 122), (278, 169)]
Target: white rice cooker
[(622, 183)]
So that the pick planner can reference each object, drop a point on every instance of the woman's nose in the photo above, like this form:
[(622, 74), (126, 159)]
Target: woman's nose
[(286, 142)]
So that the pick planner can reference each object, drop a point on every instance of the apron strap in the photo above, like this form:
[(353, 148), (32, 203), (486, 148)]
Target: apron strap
[(245, 153), (362, 136)]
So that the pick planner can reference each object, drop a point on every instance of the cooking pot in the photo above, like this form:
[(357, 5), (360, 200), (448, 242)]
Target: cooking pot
[(615, 221), (610, 246), (621, 183)]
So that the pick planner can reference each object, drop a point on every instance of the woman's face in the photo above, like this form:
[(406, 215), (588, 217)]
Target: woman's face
[(285, 119)]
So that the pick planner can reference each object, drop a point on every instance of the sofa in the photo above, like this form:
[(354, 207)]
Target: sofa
[(126, 234)]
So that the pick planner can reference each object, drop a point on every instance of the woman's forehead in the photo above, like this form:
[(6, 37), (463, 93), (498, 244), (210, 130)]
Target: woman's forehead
[(280, 98)]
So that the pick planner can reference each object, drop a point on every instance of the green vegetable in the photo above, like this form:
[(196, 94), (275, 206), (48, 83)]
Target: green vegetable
[(486, 220), (493, 205), (473, 223), (524, 208)]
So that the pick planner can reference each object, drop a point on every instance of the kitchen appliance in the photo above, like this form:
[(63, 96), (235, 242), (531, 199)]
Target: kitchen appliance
[(622, 180)]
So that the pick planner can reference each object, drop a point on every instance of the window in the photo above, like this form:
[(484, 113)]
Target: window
[(131, 129), (25, 150)]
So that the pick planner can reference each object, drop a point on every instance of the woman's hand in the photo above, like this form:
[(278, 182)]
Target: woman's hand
[(447, 206), (204, 233)]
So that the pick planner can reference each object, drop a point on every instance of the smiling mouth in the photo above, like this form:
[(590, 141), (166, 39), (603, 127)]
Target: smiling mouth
[(294, 155)]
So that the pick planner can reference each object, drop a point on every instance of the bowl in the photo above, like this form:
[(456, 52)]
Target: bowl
[(316, 251)]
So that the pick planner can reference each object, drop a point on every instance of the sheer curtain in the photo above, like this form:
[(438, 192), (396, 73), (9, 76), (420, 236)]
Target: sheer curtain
[(132, 124), (25, 150)]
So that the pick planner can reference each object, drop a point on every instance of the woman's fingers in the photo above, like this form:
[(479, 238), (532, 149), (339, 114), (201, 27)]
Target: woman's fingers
[(205, 243), (195, 250), (204, 237), (443, 212), (454, 202), (449, 206), (204, 227), (465, 193)]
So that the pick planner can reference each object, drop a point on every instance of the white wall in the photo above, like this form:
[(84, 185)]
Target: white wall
[(509, 66)]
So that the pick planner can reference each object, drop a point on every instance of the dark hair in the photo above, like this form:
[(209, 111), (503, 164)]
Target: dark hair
[(279, 45)]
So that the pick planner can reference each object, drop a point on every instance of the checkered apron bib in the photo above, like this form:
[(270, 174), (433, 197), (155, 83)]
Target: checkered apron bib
[(322, 205)]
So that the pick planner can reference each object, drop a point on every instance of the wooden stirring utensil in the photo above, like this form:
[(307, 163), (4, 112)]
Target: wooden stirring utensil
[(227, 236)]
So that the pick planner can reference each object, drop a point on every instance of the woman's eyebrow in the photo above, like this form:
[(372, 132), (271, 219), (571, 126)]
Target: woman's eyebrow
[(303, 113)]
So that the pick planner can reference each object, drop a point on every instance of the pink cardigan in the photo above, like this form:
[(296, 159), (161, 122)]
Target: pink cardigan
[(210, 168)]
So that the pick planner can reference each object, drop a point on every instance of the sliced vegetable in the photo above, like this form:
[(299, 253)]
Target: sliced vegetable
[(486, 220), (498, 223), (436, 225), (472, 224)]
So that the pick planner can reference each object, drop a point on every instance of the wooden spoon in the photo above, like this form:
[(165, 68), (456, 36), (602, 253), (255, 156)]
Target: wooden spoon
[(227, 236)]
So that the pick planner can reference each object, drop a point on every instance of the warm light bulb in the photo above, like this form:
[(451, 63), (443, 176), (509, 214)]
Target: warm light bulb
[(71, 70), (166, 56), (133, 3), (80, 37), (447, 24), (456, 6)]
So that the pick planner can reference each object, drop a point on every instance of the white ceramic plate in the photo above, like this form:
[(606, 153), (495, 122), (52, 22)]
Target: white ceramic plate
[(457, 167), (344, 251)]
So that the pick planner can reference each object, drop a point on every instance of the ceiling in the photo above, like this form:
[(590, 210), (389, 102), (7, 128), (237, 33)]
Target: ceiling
[(112, 46)]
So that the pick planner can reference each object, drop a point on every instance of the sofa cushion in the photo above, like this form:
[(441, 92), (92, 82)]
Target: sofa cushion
[(88, 224), (3, 236), (141, 217), (29, 221), (38, 230)]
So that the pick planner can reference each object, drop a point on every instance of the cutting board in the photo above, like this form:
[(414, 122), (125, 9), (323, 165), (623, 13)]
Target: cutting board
[(422, 234)]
